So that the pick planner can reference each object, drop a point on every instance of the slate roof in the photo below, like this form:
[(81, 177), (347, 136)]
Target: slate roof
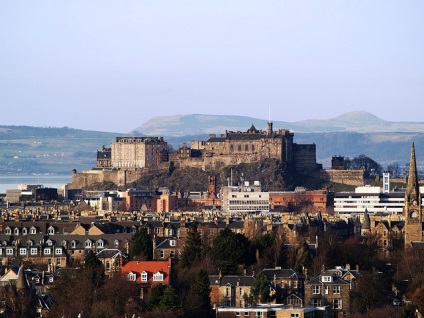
[(233, 280), (280, 273)]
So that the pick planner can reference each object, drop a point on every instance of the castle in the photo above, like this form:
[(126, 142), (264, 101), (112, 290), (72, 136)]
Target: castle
[(131, 157)]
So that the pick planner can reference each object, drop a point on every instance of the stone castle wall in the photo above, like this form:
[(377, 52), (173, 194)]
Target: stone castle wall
[(349, 177)]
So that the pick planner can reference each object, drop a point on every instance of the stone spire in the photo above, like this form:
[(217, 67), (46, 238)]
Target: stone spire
[(20, 282), (412, 195)]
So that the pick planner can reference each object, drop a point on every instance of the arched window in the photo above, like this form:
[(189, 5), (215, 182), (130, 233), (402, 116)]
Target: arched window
[(16, 231)]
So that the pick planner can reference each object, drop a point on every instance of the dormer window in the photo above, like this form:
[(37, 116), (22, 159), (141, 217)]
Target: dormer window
[(144, 277), (16, 231), (58, 251), (100, 243), (87, 244), (32, 230), (158, 277), (326, 278), (73, 244), (133, 229), (49, 242), (131, 277), (50, 230), (116, 243), (47, 251), (34, 251), (29, 243), (172, 242), (8, 231), (24, 231)]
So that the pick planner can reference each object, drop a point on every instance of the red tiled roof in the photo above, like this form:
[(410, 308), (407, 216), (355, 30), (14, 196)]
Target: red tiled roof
[(151, 268)]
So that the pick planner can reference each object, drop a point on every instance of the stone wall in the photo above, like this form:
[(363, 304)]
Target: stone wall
[(349, 177)]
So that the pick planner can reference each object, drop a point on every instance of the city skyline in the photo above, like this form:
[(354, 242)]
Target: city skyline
[(112, 66)]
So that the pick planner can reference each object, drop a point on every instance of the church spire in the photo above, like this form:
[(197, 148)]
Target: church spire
[(413, 188)]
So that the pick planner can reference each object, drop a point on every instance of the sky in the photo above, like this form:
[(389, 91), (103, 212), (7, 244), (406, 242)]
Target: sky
[(113, 65)]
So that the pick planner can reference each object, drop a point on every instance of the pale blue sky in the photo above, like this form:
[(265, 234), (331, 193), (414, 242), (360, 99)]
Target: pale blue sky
[(112, 65)]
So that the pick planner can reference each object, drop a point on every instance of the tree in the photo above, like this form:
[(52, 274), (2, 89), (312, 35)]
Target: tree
[(230, 250), (198, 301), (141, 246), (93, 268), (260, 291), (370, 167), (193, 248), (394, 170), (169, 299)]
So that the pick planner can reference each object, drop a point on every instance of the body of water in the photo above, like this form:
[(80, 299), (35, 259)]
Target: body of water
[(48, 181)]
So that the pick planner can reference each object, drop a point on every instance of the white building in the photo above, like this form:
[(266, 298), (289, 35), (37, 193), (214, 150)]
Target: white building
[(245, 198), (373, 199)]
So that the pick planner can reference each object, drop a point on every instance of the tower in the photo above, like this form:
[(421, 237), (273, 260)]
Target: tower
[(413, 209)]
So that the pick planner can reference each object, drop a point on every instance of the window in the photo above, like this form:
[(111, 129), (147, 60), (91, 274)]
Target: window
[(336, 289), (8, 231), (237, 313), (258, 314), (73, 244), (51, 279), (295, 284), (32, 230), (9, 251), (172, 254), (50, 230), (326, 290), (131, 277), (337, 304), (326, 279), (227, 292), (58, 261), (49, 243), (294, 315), (315, 302), (29, 243), (100, 243), (16, 231), (158, 277), (88, 244), (162, 254), (58, 251), (108, 265), (246, 314), (172, 242), (116, 243), (47, 251), (316, 290), (22, 251), (241, 291), (33, 251), (144, 277)]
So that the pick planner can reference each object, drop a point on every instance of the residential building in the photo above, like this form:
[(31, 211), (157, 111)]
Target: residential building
[(230, 290), (148, 273)]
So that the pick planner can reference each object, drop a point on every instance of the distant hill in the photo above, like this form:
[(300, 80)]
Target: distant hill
[(185, 125), (27, 150)]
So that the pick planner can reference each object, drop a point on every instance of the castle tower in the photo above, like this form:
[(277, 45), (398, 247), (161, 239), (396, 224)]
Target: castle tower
[(412, 209)]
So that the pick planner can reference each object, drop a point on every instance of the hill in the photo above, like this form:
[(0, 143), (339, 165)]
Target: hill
[(43, 150)]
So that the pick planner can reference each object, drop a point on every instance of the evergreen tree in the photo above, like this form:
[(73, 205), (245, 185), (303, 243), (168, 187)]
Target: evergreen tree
[(141, 246), (169, 299), (260, 291), (93, 268), (230, 250), (193, 248), (198, 300)]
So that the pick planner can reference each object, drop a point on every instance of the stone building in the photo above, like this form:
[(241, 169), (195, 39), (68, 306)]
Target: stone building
[(104, 157), (233, 148), (138, 152)]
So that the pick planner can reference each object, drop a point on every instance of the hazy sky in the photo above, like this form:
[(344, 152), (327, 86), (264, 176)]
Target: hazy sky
[(112, 65)]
